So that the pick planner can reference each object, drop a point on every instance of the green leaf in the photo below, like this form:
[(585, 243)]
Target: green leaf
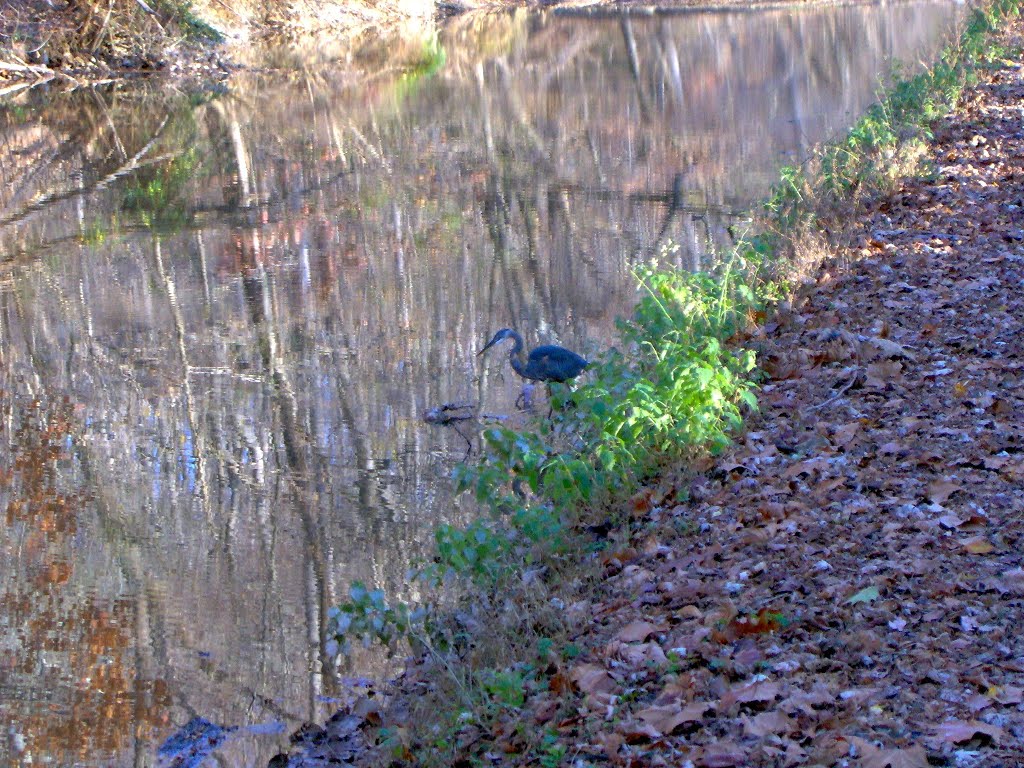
[(357, 592)]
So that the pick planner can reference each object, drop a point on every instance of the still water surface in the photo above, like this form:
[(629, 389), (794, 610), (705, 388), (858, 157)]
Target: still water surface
[(223, 314)]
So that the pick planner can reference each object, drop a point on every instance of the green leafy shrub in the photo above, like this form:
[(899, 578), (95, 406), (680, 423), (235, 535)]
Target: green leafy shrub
[(366, 615)]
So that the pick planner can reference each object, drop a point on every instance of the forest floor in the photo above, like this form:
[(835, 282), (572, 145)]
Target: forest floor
[(845, 586)]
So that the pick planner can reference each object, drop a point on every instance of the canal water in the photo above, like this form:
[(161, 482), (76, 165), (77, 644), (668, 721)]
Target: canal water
[(223, 313)]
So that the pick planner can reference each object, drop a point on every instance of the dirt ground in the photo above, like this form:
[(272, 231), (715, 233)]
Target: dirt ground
[(845, 587)]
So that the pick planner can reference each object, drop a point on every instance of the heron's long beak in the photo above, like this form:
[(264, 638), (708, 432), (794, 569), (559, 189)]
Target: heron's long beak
[(489, 345)]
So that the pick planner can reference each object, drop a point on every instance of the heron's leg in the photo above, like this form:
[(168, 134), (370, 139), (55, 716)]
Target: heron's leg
[(525, 397)]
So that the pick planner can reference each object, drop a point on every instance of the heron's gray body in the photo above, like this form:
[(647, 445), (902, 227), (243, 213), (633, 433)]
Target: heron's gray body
[(544, 363)]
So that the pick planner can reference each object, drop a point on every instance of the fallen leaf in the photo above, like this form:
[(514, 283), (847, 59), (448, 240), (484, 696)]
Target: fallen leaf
[(635, 732), (890, 348), (808, 467), (696, 710), (591, 679), (758, 692), (866, 595), (667, 719), (872, 756), (858, 696), (978, 545), (762, 622), (1014, 580), (722, 754), (879, 374), (978, 702), (808, 702), (545, 710), (637, 654), (768, 723), (844, 435), (950, 521), (559, 683), (960, 731), (995, 462), (610, 743), (940, 491), (636, 632), (1008, 694), (675, 690)]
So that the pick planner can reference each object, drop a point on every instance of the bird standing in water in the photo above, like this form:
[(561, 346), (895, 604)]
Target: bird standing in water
[(545, 363)]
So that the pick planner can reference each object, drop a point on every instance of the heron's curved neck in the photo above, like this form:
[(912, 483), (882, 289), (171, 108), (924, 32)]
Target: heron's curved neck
[(516, 356), (517, 347), (517, 360)]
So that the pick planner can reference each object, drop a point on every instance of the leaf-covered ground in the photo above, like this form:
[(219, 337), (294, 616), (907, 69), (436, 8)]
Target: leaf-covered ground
[(845, 587)]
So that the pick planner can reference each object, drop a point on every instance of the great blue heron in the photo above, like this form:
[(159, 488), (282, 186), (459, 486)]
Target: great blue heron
[(545, 363)]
